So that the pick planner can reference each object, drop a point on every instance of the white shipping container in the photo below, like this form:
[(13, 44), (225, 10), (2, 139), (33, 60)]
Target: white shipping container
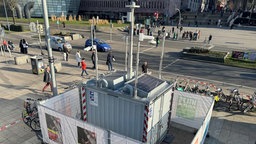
[(144, 118)]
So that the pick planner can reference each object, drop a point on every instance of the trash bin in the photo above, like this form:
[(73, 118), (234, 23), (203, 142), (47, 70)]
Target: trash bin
[(37, 65)]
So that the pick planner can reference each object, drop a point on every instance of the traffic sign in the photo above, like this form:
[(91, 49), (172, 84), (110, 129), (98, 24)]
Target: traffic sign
[(40, 28)]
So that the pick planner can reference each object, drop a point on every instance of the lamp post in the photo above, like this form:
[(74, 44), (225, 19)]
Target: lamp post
[(132, 7), (94, 47), (161, 59), (47, 39), (126, 50), (179, 16), (6, 15)]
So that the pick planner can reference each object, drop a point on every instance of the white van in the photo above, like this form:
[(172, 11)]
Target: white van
[(58, 42)]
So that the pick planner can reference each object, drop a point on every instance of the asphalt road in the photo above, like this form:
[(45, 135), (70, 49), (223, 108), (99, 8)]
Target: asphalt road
[(171, 63)]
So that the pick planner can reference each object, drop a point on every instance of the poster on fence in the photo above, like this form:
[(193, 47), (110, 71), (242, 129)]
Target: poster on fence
[(54, 128), (85, 136), (244, 55), (190, 109), (237, 54)]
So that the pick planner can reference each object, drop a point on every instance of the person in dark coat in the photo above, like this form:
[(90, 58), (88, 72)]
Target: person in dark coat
[(110, 58), (210, 38), (21, 47), (145, 67), (47, 78), (93, 58), (157, 41), (25, 46)]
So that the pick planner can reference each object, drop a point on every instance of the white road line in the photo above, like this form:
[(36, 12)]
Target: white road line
[(171, 63), (146, 50)]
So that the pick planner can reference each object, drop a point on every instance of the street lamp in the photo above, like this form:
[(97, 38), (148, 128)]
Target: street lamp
[(161, 59), (47, 39), (132, 7), (6, 16), (179, 16)]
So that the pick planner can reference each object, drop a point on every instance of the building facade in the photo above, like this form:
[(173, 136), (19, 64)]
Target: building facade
[(55, 7), (115, 9)]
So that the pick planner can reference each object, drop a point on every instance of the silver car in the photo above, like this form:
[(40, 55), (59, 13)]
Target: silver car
[(58, 42)]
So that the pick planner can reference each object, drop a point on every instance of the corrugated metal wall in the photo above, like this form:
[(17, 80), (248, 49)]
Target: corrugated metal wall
[(117, 114)]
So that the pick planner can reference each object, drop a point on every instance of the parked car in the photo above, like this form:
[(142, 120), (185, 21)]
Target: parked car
[(58, 42), (101, 45)]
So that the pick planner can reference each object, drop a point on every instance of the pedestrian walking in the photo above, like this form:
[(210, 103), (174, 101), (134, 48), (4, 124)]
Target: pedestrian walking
[(83, 66), (210, 38), (93, 58), (181, 28), (65, 53), (63, 24), (47, 78), (25, 46), (145, 67), (163, 29), (110, 58), (199, 34), (157, 41), (172, 30), (78, 58)]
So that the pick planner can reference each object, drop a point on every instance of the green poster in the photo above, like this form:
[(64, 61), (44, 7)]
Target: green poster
[(186, 108)]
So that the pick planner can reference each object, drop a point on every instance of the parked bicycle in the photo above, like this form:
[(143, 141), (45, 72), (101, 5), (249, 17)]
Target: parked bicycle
[(250, 104), (30, 114), (235, 99)]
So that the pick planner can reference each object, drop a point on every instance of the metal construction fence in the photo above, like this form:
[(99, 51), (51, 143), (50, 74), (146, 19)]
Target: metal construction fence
[(60, 123)]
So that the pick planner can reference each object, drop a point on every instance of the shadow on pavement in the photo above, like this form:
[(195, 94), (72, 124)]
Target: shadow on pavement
[(27, 71)]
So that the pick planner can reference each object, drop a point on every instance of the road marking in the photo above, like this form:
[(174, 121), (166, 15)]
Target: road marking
[(4, 127), (146, 50), (171, 63)]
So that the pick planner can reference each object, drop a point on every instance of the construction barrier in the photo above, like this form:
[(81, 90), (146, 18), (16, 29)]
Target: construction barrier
[(60, 123)]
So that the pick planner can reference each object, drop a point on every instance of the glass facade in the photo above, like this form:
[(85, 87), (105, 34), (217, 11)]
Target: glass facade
[(55, 7)]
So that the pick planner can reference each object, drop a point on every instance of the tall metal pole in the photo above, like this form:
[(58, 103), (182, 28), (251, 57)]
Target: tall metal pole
[(132, 6), (179, 16), (96, 53), (126, 51), (47, 39), (6, 15), (111, 29), (39, 36), (137, 71), (161, 59), (131, 43)]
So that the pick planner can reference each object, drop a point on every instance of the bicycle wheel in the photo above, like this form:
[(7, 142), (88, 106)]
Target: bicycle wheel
[(35, 124), (25, 117)]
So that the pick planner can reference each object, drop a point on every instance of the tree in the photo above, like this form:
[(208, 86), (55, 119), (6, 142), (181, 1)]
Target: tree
[(12, 5)]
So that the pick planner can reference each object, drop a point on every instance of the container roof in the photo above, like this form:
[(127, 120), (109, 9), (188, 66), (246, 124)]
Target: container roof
[(147, 83), (115, 75)]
